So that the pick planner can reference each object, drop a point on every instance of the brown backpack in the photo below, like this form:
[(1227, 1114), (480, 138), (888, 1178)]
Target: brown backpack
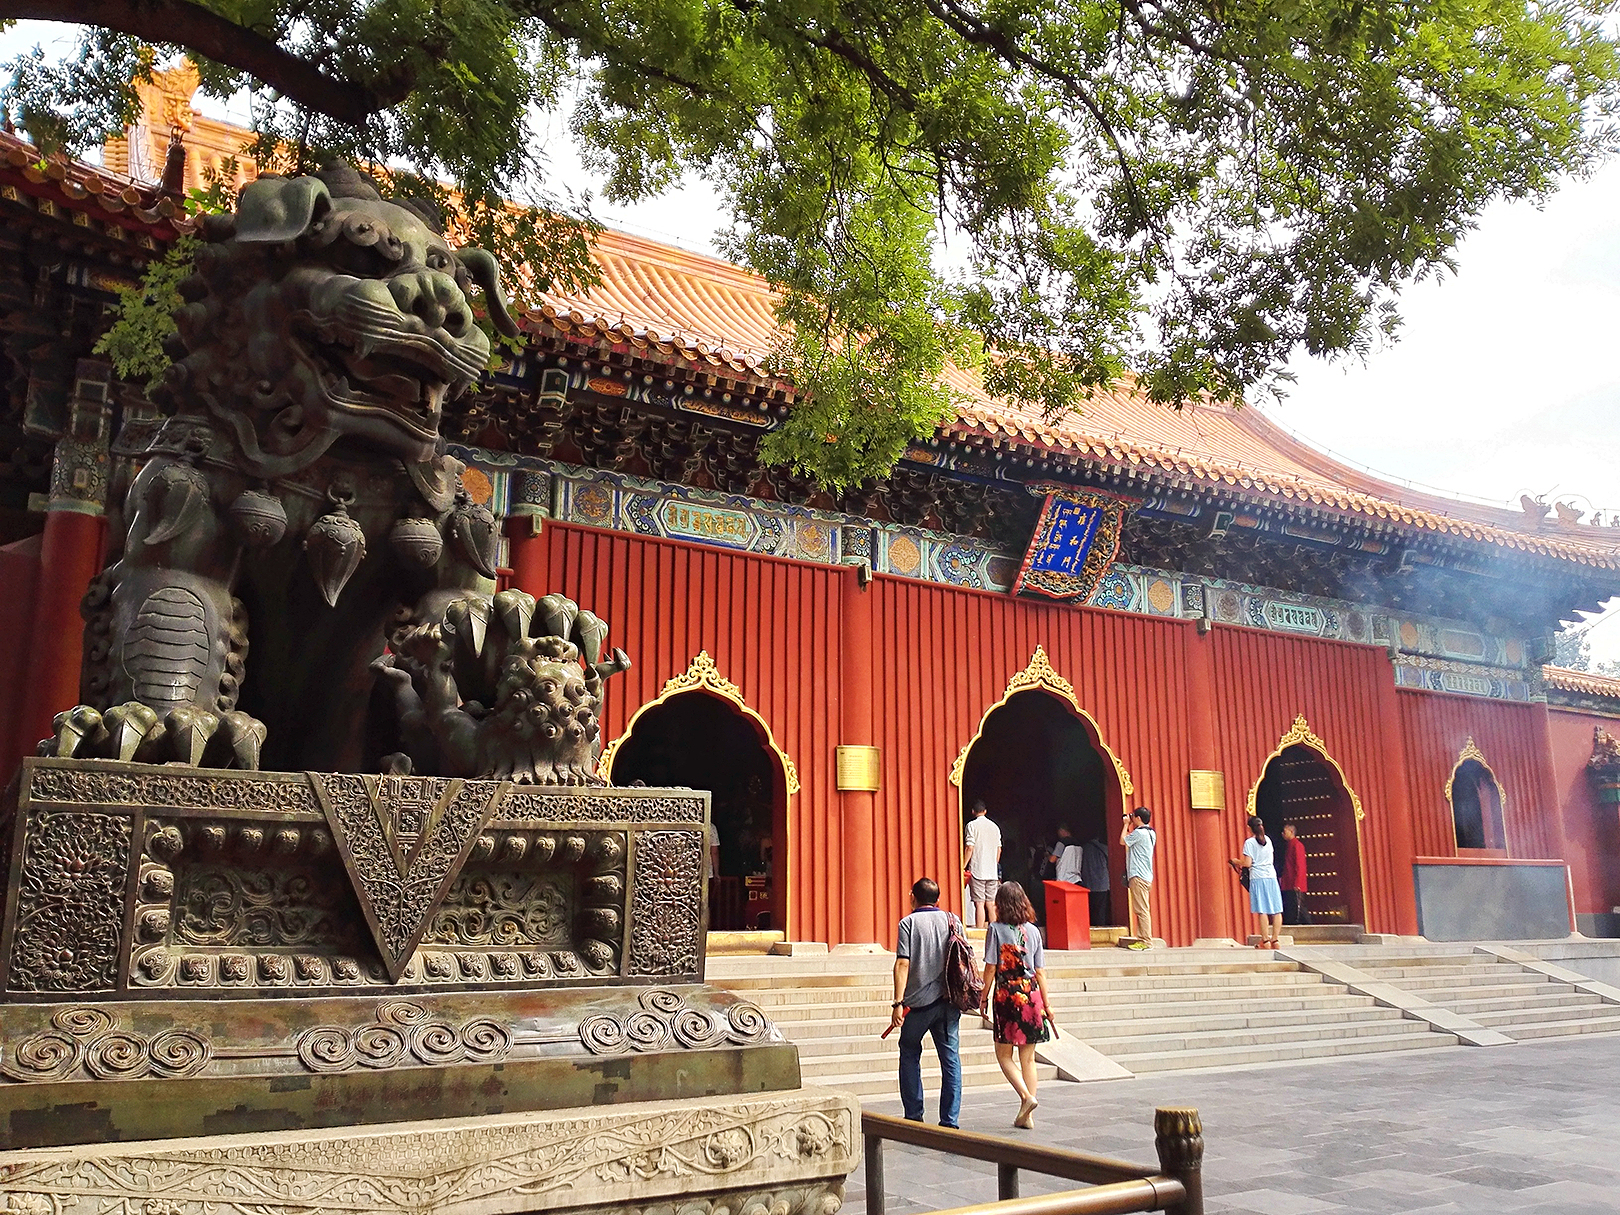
[(964, 982)]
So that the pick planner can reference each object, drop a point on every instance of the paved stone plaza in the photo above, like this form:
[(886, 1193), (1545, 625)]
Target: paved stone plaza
[(1523, 1128)]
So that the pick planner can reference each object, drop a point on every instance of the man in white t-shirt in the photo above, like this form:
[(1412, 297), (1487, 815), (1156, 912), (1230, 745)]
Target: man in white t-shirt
[(983, 863), (1069, 858)]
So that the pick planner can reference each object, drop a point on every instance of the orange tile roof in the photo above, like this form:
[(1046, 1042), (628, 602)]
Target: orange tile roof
[(1581, 681), (691, 307), (76, 186)]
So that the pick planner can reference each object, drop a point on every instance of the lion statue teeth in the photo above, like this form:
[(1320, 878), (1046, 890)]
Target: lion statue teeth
[(300, 495)]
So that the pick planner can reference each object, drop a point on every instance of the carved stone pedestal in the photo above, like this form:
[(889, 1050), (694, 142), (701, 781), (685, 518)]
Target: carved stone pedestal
[(768, 1154), (189, 952)]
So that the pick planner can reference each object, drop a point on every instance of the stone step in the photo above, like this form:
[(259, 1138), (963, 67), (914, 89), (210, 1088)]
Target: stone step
[(1397, 974), (1103, 1005), (1325, 934), (1528, 1000), (808, 1031), (885, 1081), (1195, 1040), (1183, 986), (1189, 1037), (1504, 991), (1244, 1055), (1506, 1018), (1507, 976), (1287, 978), (1608, 1023), (883, 1059)]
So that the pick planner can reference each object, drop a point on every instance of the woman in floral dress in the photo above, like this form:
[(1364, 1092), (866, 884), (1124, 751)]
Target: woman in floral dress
[(1015, 994)]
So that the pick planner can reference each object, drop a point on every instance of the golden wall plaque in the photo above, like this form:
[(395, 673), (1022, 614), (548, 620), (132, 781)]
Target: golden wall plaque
[(1208, 789), (860, 769)]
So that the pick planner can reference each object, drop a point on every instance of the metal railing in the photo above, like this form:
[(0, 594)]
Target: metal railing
[(1112, 1187)]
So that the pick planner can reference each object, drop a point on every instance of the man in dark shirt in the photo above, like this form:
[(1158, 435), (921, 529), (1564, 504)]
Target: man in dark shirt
[(1291, 875), (920, 1006)]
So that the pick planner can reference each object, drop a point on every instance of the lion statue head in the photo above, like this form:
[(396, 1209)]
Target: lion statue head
[(320, 311)]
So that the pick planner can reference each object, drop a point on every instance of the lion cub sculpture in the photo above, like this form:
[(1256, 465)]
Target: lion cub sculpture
[(299, 497)]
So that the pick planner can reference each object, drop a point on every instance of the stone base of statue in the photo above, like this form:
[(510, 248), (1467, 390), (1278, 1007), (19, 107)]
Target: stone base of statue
[(769, 1154), (270, 991)]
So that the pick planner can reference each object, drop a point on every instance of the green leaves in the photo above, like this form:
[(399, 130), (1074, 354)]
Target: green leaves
[(1055, 195)]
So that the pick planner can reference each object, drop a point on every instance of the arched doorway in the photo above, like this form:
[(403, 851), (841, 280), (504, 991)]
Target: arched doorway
[(1038, 762), (1302, 784), (1476, 804), (699, 734)]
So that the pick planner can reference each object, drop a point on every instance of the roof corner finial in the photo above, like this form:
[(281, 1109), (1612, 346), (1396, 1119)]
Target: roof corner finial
[(174, 165)]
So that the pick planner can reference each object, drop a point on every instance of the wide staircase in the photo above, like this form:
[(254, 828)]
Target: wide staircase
[(1512, 999), (1150, 1011)]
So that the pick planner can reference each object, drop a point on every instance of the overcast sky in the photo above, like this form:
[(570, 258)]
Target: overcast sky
[(1505, 378)]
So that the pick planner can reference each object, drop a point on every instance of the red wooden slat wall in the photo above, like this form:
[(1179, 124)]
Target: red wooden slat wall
[(1509, 736), (945, 656), (771, 627), (1591, 830), (941, 656), (1263, 680)]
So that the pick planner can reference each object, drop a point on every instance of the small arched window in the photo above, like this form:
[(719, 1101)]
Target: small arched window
[(1476, 804)]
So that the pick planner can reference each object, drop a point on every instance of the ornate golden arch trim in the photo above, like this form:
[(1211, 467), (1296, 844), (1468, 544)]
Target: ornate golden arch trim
[(1039, 676), (702, 676), (1300, 735), (1471, 752)]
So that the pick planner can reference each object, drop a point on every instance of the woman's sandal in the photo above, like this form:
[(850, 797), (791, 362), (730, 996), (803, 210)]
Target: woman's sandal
[(1026, 1114)]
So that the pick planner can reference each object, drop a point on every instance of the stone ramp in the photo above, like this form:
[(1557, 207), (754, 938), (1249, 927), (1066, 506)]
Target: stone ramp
[(1158, 1010)]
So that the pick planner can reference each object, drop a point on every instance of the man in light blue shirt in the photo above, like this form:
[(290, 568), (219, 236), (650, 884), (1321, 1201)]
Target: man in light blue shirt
[(1139, 840)]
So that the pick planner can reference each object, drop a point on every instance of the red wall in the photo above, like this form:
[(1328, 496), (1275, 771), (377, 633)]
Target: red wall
[(772, 628), (945, 656), (1263, 680), (940, 658), (1591, 831), (1510, 737)]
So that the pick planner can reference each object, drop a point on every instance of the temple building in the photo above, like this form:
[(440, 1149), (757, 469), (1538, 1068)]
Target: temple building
[(1187, 610)]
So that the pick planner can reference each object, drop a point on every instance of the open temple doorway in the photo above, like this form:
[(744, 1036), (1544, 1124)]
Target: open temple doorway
[(1036, 767), (699, 741), (1476, 806), (1302, 787)]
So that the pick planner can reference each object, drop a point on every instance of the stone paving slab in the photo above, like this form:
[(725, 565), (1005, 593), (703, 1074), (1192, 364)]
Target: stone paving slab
[(1529, 1131)]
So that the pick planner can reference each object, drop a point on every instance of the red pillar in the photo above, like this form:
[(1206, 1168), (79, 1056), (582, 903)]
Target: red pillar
[(70, 555), (1214, 881), (1397, 808), (526, 542), (1552, 807), (526, 554), (858, 808)]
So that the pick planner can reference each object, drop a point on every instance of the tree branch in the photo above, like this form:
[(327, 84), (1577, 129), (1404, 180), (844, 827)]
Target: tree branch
[(212, 36)]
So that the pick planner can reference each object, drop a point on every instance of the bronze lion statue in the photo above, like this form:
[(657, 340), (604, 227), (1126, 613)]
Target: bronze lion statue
[(300, 497)]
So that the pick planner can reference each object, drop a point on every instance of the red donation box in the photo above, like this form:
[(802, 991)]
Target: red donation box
[(1068, 916)]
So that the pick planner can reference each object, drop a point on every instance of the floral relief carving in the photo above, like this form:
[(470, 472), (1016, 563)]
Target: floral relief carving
[(210, 791), (737, 1155), (70, 902), (504, 909), (665, 912), (219, 905)]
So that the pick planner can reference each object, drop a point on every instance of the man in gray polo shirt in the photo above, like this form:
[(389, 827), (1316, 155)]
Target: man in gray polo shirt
[(920, 1006)]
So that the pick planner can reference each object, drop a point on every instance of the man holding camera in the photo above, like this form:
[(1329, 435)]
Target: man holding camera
[(1139, 840)]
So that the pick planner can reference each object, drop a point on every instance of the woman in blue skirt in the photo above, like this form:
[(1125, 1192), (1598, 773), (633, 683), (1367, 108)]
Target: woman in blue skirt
[(1265, 896)]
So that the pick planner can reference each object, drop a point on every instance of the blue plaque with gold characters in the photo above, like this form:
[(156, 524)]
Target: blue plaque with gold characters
[(1076, 540)]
